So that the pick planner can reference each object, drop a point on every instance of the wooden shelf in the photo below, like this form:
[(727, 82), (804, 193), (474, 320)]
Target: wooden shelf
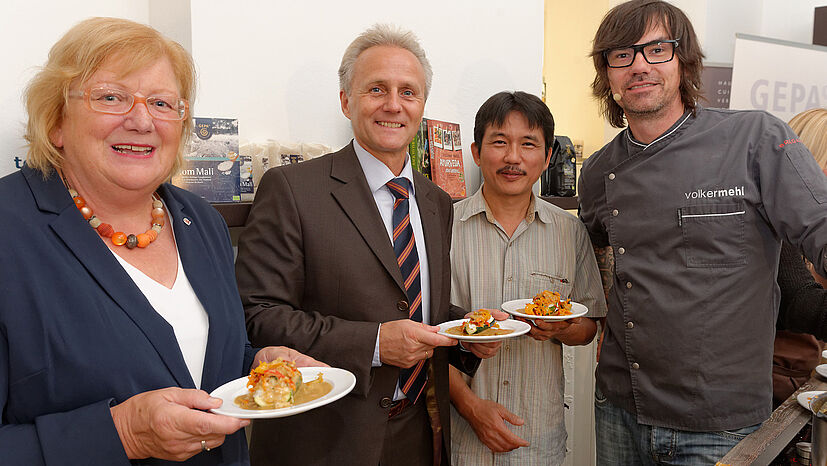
[(235, 213), (568, 203)]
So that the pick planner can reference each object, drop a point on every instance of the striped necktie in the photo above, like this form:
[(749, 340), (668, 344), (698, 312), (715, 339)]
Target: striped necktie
[(411, 380)]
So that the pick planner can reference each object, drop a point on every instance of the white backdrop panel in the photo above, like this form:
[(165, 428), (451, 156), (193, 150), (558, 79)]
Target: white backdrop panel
[(781, 77)]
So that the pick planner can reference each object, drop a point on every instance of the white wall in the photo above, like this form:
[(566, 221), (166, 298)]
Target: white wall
[(788, 20), (28, 29), (273, 64)]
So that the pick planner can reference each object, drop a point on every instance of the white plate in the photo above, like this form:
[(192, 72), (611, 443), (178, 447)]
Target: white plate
[(516, 306), (805, 398), (519, 328), (343, 382), (821, 369)]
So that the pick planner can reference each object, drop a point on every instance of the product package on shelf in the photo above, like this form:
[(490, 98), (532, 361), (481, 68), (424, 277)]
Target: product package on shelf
[(418, 150), (246, 186), (211, 167), (295, 152), (444, 154), (289, 152), (260, 155)]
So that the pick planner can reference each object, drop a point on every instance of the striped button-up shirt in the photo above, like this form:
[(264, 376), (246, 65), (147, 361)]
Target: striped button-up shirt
[(549, 250)]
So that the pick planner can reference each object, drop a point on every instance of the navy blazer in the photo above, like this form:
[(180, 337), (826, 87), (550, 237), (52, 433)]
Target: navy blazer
[(77, 335)]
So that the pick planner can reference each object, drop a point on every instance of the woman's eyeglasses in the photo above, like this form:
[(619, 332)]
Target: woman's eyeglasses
[(118, 102)]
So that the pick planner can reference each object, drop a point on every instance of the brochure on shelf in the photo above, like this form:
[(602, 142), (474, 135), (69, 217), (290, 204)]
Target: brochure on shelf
[(211, 166), (444, 155)]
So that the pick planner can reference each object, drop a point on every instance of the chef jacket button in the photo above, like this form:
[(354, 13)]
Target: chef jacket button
[(402, 305), (505, 382), (385, 402), (628, 284), (611, 176), (630, 325), (621, 250), (615, 212), (635, 366)]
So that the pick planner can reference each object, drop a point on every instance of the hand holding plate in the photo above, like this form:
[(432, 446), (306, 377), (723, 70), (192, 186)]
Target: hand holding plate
[(403, 342), (483, 350), (490, 349), (270, 353), (170, 424), (542, 330)]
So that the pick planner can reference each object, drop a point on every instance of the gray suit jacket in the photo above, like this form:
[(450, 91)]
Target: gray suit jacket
[(317, 272)]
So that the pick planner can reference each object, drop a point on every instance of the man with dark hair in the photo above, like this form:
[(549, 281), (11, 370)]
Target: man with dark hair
[(509, 244), (686, 209)]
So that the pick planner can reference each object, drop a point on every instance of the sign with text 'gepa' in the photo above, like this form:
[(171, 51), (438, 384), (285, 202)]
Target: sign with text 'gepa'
[(784, 78)]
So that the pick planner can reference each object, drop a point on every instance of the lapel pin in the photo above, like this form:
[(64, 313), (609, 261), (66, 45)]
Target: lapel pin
[(187, 221)]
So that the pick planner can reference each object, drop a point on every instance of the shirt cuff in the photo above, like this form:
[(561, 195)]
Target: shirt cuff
[(376, 361)]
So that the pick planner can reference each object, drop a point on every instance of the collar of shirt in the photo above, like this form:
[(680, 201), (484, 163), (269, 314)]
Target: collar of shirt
[(477, 204), (377, 173), (635, 145)]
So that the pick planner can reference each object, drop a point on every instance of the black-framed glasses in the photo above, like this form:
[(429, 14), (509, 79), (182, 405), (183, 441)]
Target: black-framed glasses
[(657, 51), (119, 102)]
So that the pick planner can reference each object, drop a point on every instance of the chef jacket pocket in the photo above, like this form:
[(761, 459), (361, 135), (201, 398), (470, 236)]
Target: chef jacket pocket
[(713, 234), (541, 281)]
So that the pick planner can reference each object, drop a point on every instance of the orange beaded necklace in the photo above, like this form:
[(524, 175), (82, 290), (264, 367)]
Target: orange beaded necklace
[(120, 238)]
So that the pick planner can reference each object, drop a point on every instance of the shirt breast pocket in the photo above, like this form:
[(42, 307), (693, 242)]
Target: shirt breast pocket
[(541, 281), (713, 234)]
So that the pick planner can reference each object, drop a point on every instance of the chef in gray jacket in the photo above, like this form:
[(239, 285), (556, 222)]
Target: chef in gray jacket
[(692, 204)]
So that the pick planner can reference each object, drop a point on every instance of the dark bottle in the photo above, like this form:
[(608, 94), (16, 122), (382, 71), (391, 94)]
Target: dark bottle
[(560, 177)]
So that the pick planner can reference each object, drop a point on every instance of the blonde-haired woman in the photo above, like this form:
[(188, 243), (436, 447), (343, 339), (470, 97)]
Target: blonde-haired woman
[(802, 318), (811, 126), (119, 310)]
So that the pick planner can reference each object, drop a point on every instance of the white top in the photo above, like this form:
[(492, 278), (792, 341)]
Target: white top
[(181, 308)]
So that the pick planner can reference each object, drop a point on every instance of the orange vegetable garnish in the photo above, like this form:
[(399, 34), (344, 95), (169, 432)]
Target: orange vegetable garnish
[(271, 369), (548, 303)]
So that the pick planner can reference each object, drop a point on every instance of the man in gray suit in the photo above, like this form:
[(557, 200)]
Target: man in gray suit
[(346, 258)]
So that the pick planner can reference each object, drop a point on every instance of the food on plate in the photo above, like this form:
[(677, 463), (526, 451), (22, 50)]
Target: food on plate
[(273, 384), (480, 323), (548, 303), (278, 384)]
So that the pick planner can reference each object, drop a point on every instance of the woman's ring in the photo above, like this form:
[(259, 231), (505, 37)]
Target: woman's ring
[(204, 446)]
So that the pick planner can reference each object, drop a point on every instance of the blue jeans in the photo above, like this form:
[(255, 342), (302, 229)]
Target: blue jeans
[(622, 441)]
